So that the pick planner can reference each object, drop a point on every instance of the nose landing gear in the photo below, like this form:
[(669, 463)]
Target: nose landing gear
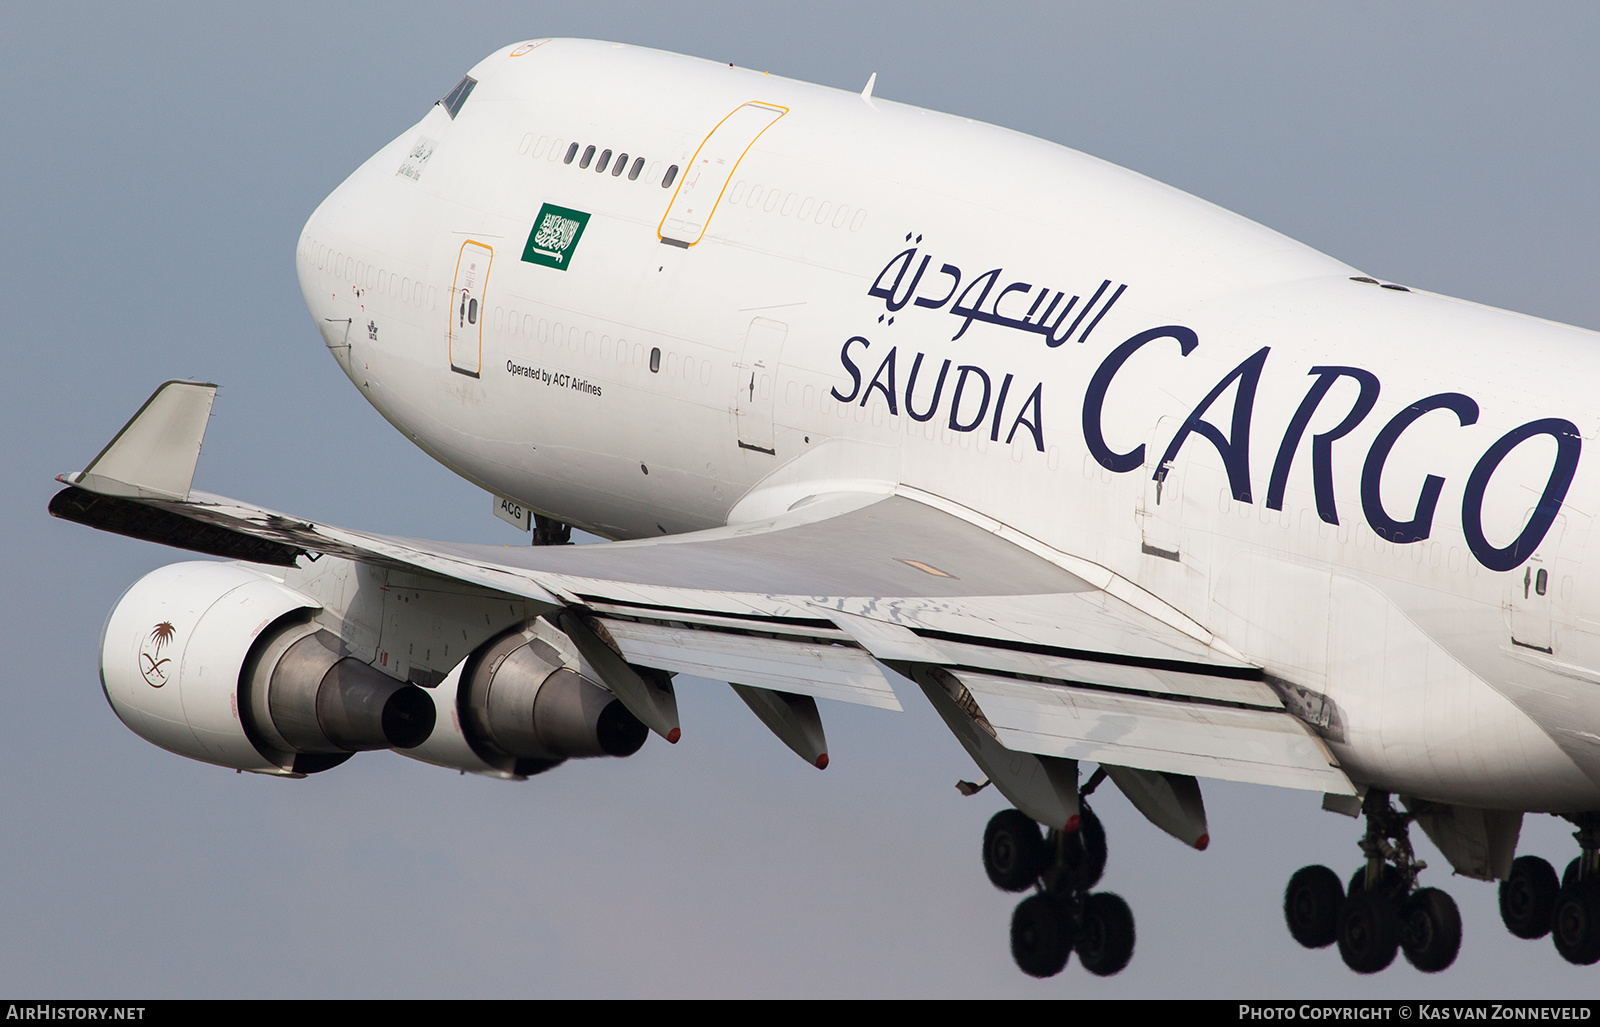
[(1062, 915), (1383, 912)]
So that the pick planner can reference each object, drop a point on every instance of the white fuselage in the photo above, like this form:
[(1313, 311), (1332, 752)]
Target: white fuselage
[(817, 249)]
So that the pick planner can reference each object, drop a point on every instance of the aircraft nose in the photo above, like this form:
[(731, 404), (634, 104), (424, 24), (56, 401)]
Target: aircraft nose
[(316, 266)]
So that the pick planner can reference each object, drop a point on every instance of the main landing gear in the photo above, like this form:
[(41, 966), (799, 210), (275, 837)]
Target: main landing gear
[(1533, 903), (1382, 912), (1062, 915)]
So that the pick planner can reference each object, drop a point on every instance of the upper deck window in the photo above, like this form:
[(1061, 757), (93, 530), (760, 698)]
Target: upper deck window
[(454, 100)]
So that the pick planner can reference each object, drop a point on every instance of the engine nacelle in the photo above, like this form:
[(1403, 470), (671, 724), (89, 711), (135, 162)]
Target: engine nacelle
[(221, 663), (522, 703)]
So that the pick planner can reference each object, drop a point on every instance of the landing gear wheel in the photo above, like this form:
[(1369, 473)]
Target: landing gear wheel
[(1040, 936), (1528, 897), (1430, 930), (1369, 932), (1105, 941), (1575, 926), (1085, 851), (1389, 882), (1311, 906), (1013, 851)]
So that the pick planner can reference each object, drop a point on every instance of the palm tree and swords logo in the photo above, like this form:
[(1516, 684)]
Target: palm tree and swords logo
[(151, 662)]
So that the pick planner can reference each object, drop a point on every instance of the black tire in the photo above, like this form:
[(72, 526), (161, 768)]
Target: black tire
[(1528, 897), (1430, 930), (1311, 906), (1040, 936), (1105, 939), (1085, 851), (1575, 926), (1013, 851), (1389, 882), (1369, 932), (1571, 873)]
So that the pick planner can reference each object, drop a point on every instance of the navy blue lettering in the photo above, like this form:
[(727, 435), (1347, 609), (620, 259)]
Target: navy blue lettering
[(1051, 339), (855, 372), (1321, 444), (1103, 311), (999, 404), (974, 310), (1421, 523), (1235, 446), (878, 383), (938, 387), (1094, 398), (904, 258), (1568, 447), (955, 400), (1033, 402), (955, 283)]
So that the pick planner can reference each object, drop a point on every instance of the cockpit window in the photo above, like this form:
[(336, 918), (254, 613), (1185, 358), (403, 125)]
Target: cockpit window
[(454, 100)]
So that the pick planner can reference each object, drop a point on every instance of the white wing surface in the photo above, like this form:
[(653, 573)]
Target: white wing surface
[(815, 602)]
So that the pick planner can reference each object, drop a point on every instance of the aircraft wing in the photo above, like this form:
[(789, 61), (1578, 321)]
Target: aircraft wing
[(1052, 656)]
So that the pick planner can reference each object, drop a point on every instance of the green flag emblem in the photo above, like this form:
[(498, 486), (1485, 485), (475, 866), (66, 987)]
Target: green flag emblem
[(555, 236)]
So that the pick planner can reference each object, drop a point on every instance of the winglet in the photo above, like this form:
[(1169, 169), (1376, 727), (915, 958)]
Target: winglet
[(154, 455)]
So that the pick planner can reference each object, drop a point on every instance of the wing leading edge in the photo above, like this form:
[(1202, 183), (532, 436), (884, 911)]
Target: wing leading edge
[(814, 602)]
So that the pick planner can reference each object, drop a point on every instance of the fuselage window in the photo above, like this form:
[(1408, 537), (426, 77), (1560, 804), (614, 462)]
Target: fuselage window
[(638, 166), (454, 100), (672, 174), (600, 165), (622, 162), (655, 359), (572, 151), (1541, 581), (588, 155)]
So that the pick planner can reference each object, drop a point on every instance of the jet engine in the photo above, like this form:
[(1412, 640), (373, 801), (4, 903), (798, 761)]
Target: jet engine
[(222, 663), (524, 702)]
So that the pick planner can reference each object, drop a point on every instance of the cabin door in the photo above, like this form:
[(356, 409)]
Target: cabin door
[(466, 308), (1533, 592), (1159, 507), (756, 383), (710, 169)]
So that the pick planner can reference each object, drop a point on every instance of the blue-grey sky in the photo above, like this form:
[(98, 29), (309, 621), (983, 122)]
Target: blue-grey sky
[(158, 163)]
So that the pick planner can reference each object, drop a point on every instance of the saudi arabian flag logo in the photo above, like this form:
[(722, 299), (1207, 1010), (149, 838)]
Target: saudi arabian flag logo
[(555, 236)]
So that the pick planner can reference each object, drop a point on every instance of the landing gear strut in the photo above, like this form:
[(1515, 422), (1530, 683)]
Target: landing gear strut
[(547, 531), (1383, 912), (1063, 914)]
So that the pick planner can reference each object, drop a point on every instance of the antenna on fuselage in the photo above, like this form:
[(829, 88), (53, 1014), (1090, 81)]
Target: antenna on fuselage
[(866, 94)]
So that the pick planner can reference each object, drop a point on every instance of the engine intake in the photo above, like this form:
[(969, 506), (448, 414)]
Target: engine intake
[(221, 663)]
